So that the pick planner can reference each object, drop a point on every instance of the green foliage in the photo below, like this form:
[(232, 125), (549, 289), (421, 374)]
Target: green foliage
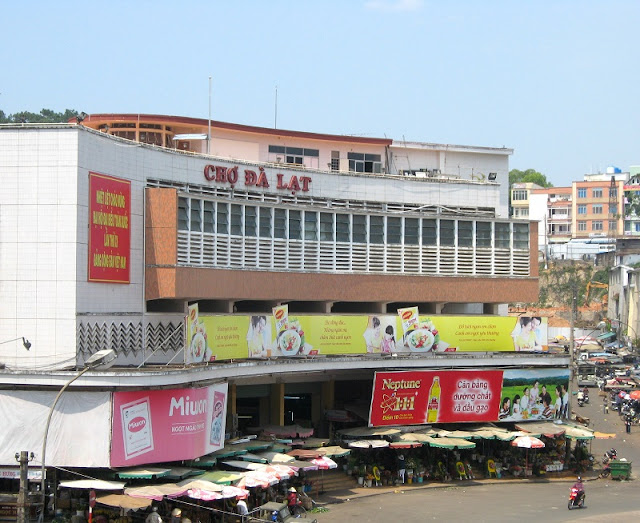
[(44, 116), (632, 207), (528, 176)]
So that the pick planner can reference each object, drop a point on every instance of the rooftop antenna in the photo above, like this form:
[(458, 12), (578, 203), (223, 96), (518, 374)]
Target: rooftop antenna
[(209, 128), (275, 118)]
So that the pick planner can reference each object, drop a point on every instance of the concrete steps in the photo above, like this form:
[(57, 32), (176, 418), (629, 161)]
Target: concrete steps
[(330, 481)]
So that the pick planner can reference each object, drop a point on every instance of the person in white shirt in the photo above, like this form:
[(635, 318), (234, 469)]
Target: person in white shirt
[(242, 509), (154, 517)]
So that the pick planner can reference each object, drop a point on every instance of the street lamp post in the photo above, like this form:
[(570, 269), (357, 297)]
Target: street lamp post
[(102, 358), (25, 342)]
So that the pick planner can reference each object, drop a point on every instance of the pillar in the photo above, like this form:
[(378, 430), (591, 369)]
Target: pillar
[(277, 404)]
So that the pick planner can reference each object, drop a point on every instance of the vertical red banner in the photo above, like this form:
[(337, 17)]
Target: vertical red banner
[(109, 229), (419, 397)]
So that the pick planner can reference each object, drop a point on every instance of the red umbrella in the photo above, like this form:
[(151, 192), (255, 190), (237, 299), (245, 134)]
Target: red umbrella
[(527, 442), (635, 395)]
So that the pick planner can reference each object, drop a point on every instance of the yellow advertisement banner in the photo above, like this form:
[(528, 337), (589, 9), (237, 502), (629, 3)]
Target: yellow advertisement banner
[(211, 338)]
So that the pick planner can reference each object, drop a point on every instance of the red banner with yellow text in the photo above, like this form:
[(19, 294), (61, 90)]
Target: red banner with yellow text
[(109, 229), (419, 397)]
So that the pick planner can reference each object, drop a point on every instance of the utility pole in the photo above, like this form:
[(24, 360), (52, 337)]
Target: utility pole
[(23, 459)]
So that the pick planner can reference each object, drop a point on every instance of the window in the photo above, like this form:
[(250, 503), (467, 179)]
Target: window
[(376, 229), (502, 236), (343, 230), (596, 193), (326, 227), (183, 214), (582, 192), (596, 225), (222, 218), (520, 236), (265, 222), (519, 195), (359, 228), (483, 234), (429, 232), (582, 226), (465, 234), (250, 227), (295, 225), (596, 208), (209, 217), (196, 224), (310, 225), (364, 163), (613, 209), (236, 219), (613, 193), (335, 161), (447, 233), (613, 225), (637, 224), (294, 155), (582, 209), (280, 223), (394, 230), (411, 231)]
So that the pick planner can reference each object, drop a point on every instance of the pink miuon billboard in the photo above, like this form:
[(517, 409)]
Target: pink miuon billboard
[(152, 426)]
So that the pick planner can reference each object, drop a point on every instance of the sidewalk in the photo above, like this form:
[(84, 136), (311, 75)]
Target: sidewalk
[(340, 496)]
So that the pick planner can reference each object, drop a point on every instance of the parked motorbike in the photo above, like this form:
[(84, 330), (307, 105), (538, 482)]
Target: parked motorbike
[(609, 455), (576, 498)]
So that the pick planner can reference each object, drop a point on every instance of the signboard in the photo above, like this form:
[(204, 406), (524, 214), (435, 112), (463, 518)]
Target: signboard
[(109, 229), (467, 396), (33, 474), (167, 425), (283, 334)]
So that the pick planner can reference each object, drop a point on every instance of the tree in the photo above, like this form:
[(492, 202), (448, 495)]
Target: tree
[(528, 176), (44, 116)]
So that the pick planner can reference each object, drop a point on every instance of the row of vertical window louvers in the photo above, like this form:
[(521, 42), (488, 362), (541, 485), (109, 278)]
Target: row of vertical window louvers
[(224, 251), (197, 216)]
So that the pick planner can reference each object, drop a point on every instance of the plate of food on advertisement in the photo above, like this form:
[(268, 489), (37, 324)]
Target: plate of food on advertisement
[(198, 347), (289, 342), (423, 338)]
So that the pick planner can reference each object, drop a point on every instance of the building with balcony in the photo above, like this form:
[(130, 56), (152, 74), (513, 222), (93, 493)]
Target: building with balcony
[(177, 242)]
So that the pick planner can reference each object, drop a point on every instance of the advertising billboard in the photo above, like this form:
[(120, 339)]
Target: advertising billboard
[(109, 229), (281, 334), (152, 426), (468, 396)]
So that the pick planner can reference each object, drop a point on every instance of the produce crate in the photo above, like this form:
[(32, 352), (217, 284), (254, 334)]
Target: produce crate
[(620, 469)]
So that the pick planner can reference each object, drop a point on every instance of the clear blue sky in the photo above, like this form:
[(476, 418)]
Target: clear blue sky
[(557, 81)]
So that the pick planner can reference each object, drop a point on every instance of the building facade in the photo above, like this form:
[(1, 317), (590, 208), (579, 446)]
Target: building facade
[(114, 229)]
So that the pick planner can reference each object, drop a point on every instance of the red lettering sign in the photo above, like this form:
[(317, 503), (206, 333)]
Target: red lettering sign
[(109, 229), (225, 175)]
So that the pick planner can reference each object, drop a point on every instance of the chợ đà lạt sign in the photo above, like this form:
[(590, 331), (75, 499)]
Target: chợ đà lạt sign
[(109, 229)]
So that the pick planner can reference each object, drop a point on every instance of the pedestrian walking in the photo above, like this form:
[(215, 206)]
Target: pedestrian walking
[(627, 422)]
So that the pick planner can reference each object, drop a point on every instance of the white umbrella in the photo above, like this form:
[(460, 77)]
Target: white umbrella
[(324, 463), (369, 444), (527, 442)]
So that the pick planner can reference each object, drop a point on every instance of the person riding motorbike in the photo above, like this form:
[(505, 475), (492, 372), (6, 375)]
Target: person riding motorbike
[(580, 398), (579, 487)]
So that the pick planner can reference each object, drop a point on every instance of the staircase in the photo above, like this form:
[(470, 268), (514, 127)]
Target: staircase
[(326, 481)]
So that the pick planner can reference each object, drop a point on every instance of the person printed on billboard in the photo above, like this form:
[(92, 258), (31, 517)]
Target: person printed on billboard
[(524, 335)]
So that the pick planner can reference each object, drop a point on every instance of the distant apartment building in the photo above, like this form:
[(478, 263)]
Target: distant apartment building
[(582, 220)]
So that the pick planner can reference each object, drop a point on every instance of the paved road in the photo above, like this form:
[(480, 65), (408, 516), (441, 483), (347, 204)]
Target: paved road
[(506, 500)]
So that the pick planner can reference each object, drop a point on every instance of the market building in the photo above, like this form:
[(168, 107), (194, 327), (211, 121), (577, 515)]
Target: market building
[(246, 277)]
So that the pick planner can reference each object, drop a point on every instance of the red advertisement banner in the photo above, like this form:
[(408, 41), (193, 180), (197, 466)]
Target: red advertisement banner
[(109, 229), (419, 397), (152, 426)]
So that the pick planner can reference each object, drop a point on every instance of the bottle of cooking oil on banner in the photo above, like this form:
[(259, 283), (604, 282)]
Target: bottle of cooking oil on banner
[(434, 401)]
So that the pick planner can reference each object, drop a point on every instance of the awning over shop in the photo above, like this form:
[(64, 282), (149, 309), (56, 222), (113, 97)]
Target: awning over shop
[(369, 444), (156, 492), (334, 451), (178, 473), (143, 473), (95, 484), (451, 443), (578, 433), (202, 484), (311, 443), (606, 336), (405, 444), (548, 428), (367, 432), (304, 453), (123, 501), (222, 477)]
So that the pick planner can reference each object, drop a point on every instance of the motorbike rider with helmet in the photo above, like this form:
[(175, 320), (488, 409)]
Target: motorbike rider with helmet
[(579, 486)]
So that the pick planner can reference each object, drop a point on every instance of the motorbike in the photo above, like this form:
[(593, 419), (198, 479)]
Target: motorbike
[(608, 456), (580, 399), (576, 499)]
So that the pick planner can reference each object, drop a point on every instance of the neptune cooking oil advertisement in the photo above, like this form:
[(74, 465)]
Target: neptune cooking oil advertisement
[(285, 334)]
